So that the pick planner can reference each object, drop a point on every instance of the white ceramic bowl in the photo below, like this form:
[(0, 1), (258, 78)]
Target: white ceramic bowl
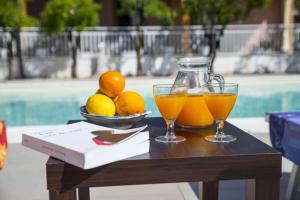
[(121, 122)]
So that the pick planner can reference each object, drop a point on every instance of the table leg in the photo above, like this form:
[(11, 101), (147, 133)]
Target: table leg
[(292, 192), (66, 195), (84, 193), (209, 190), (267, 189), (250, 189)]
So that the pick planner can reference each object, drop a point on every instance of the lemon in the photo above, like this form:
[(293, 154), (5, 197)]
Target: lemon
[(100, 104)]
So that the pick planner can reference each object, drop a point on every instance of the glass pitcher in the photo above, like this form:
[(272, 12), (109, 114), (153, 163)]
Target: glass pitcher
[(194, 72)]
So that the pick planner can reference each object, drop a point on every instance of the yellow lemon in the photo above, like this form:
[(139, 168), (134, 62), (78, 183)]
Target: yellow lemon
[(100, 104)]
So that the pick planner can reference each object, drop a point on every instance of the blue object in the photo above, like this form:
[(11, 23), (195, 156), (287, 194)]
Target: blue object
[(285, 134)]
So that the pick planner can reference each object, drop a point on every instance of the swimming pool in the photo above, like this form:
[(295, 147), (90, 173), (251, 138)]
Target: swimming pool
[(48, 103)]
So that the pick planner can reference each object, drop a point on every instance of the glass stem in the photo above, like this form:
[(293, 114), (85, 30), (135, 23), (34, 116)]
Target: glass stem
[(220, 125), (170, 129)]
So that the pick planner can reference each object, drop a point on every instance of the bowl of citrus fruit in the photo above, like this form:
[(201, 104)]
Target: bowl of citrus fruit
[(111, 106)]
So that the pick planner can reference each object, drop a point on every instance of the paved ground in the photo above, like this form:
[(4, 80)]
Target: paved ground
[(24, 178), (262, 81)]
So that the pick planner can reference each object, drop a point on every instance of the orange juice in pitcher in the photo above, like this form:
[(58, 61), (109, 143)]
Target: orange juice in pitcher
[(195, 112), (194, 72)]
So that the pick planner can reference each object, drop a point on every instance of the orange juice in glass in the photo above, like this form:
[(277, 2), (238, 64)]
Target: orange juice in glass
[(195, 112), (169, 99), (220, 99), (220, 105), (163, 103)]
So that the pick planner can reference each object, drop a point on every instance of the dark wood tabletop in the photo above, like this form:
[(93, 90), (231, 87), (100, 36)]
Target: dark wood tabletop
[(192, 160)]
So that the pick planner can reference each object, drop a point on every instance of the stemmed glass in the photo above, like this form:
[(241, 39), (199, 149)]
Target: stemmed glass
[(220, 99), (170, 99)]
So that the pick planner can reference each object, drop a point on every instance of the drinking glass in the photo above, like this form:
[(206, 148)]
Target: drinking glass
[(220, 99), (170, 99)]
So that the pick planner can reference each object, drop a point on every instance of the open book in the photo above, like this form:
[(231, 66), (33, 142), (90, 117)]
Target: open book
[(87, 145)]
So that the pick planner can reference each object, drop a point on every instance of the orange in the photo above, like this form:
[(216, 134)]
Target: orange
[(112, 83), (129, 103)]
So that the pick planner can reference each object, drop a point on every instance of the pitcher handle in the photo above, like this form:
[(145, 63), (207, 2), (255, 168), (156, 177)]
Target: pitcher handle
[(216, 77)]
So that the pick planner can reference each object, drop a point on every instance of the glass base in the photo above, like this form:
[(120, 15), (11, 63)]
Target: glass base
[(223, 138), (164, 139)]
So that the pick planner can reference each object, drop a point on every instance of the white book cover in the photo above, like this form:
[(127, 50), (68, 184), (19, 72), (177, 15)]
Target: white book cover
[(87, 145)]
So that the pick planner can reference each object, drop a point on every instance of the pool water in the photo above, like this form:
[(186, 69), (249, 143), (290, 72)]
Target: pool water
[(46, 106)]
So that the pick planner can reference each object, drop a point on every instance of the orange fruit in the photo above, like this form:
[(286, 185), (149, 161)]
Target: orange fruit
[(112, 83), (129, 103)]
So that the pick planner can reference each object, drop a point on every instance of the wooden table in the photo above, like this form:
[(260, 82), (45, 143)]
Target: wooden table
[(193, 160)]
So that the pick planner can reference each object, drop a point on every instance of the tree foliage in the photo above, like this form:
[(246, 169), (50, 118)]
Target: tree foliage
[(12, 16), (140, 10), (69, 15), (297, 5), (210, 13), (59, 15), (220, 12)]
